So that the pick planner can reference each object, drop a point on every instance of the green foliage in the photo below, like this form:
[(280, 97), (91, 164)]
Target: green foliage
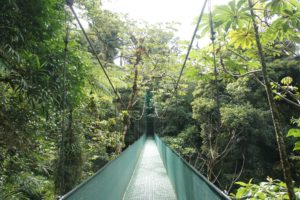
[(271, 189), (295, 133), (228, 17), (288, 89), (234, 101), (244, 115), (287, 80), (286, 22), (211, 134), (105, 30), (240, 117), (185, 142), (243, 38), (31, 109), (26, 186)]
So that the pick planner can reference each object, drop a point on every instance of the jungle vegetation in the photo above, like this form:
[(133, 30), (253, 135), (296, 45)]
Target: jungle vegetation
[(234, 115)]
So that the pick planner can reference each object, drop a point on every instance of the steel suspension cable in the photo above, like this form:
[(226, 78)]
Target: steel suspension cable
[(191, 44), (186, 57), (70, 4)]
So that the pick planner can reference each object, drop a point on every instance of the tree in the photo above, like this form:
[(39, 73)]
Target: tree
[(146, 52), (275, 115), (243, 36)]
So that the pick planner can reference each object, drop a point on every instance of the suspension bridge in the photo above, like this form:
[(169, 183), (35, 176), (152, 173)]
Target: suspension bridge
[(148, 169)]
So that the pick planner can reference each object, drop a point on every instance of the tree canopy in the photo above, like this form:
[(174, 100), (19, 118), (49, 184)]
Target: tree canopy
[(234, 115)]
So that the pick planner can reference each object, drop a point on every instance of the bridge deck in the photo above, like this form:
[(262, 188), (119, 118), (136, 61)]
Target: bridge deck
[(150, 180)]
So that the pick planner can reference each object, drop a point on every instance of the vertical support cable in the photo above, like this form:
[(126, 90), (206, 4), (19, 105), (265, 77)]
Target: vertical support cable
[(64, 101), (212, 34)]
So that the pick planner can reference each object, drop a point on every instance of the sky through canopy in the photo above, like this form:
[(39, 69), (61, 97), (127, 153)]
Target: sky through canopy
[(155, 11)]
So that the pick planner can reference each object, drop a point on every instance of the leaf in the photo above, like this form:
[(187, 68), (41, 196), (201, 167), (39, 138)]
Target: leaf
[(228, 26), (294, 132), (287, 80), (241, 192), (240, 3), (242, 183), (242, 38), (297, 146), (37, 60), (260, 195)]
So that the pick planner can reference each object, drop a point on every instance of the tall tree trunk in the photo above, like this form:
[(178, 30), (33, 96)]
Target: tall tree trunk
[(274, 111), (134, 93)]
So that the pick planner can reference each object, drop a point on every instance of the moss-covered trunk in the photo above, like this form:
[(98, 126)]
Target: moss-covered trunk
[(131, 102)]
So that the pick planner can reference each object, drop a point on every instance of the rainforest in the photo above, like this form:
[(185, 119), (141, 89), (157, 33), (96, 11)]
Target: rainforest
[(79, 84)]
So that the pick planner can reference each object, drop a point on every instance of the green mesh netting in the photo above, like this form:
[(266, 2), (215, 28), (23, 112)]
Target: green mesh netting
[(188, 184), (110, 182)]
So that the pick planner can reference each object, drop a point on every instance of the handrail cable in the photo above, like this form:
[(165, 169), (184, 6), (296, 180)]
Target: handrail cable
[(70, 4)]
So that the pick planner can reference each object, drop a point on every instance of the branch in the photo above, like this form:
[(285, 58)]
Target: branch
[(156, 113), (141, 116), (145, 82), (227, 148), (239, 175), (259, 81), (155, 64), (255, 3), (236, 75), (239, 55), (289, 92), (292, 3), (256, 78), (263, 21), (287, 100), (216, 177), (284, 98), (135, 101), (262, 9)]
